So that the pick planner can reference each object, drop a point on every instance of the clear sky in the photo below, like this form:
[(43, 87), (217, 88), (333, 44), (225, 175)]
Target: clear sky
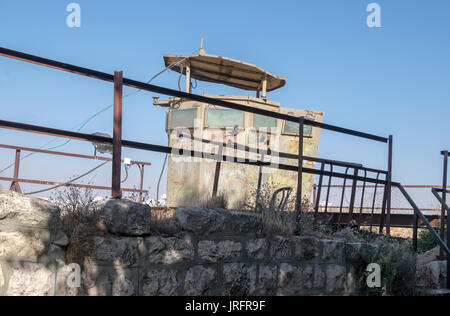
[(389, 80)]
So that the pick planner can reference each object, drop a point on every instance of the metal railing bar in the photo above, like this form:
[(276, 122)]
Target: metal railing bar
[(169, 150), (270, 152), (53, 183), (170, 92), (59, 153), (420, 215), (330, 178)]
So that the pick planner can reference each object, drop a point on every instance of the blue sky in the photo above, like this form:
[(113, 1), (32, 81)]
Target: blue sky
[(389, 80)]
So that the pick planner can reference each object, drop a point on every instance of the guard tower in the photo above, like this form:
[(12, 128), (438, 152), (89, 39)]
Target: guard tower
[(191, 180)]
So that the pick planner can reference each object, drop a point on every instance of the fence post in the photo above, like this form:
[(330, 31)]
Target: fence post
[(386, 208), (217, 173), (117, 136), (415, 230), (353, 195), (15, 185), (317, 194), (300, 166), (260, 175), (444, 192), (444, 197), (141, 187), (389, 187)]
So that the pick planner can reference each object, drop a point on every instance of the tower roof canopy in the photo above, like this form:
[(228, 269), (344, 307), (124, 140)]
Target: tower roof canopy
[(227, 71)]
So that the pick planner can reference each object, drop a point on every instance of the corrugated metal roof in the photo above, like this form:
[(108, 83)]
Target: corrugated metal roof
[(231, 72)]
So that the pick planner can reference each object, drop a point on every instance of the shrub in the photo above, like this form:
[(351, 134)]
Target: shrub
[(80, 217), (285, 221), (397, 263), (426, 240)]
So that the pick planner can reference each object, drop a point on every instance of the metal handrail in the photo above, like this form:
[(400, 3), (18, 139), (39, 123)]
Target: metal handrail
[(170, 92), (418, 213), (446, 208)]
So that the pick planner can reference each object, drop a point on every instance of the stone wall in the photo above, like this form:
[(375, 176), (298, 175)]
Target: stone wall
[(31, 246), (213, 253), (219, 253)]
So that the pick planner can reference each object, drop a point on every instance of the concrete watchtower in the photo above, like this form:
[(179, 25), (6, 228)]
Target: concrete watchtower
[(190, 181)]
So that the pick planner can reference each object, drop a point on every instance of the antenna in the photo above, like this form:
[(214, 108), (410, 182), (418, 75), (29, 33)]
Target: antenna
[(202, 51)]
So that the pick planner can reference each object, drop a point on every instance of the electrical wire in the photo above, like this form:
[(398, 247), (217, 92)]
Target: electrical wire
[(126, 173), (159, 181), (85, 122), (165, 158), (68, 182)]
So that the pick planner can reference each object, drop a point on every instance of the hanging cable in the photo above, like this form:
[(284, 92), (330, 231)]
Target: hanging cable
[(68, 182), (159, 181), (126, 173)]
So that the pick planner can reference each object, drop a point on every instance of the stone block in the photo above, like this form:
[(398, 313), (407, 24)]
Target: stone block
[(295, 280), (211, 251), (333, 250), (335, 275), (114, 250), (239, 279), (31, 279), (31, 245), (159, 283), (280, 247), (267, 280), (257, 248), (28, 211), (306, 248), (200, 281), (200, 221), (127, 218), (168, 250)]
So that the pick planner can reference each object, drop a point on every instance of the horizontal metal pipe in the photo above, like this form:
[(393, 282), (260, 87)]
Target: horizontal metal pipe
[(380, 208), (170, 150), (270, 152), (41, 182), (405, 186), (441, 200), (58, 153), (170, 92), (397, 220), (54, 132), (439, 189)]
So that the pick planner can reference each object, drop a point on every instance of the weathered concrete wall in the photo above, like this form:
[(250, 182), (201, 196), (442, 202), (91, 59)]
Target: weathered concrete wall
[(31, 241), (191, 180)]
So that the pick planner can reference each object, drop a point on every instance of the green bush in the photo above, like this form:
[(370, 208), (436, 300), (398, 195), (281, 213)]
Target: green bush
[(426, 240), (397, 263)]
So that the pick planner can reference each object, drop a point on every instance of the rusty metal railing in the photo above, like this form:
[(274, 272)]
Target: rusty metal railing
[(15, 186), (117, 142), (369, 209), (445, 213)]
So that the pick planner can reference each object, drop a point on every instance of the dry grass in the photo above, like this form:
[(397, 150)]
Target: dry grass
[(162, 223), (80, 216), (218, 202)]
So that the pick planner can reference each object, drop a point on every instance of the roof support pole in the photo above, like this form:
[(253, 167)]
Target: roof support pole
[(264, 87), (188, 76), (117, 136), (15, 184), (299, 198)]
